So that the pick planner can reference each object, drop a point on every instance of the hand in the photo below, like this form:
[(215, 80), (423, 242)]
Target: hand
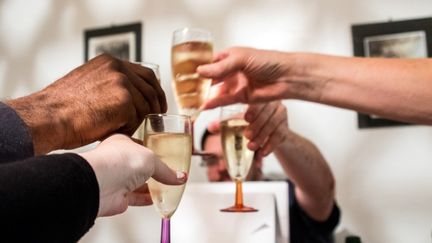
[(101, 97), (249, 76), (268, 127), (122, 167)]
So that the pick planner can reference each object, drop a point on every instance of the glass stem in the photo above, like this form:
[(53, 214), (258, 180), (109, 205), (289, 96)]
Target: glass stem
[(165, 232), (239, 194)]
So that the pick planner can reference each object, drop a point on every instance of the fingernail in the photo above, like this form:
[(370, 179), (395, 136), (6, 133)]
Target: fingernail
[(253, 146), (181, 175)]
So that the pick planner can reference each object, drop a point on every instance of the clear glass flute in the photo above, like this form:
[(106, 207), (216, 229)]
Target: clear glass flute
[(190, 48), (169, 137), (238, 157)]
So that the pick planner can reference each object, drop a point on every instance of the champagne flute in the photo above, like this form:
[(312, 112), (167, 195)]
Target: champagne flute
[(190, 48), (139, 133), (169, 137), (238, 157)]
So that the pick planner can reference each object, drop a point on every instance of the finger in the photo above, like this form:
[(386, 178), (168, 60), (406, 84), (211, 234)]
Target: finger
[(253, 112), (140, 106), (233, 90), (165, 175), (253, 117), (276, 138), (145, 89), (214, 127), (221, 100), (221, 55), (139, 199), (227, 64), (142, 189), (269, 125), (150, 77), (262, 115)]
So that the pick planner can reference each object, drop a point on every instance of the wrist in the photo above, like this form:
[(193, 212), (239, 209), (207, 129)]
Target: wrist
[(42, 120), (304, 77)]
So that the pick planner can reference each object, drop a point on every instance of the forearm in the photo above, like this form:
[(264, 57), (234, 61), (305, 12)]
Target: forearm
[(309, 172), (399, 89), (42, 120), (51, 198)]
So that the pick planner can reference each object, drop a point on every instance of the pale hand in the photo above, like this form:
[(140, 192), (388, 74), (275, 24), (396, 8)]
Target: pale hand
[(122, 168)]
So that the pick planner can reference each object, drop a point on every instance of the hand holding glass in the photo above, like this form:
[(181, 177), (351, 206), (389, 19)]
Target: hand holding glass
[(238, 157), (169, 137)]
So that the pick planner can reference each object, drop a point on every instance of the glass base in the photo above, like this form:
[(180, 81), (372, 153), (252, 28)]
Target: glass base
[(237, 209)]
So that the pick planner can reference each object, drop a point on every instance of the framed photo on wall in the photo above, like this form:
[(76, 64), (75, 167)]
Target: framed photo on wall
[(122, 41), (393, 39)]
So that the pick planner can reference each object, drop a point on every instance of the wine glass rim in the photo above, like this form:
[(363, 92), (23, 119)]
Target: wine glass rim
[(167, 115), (146, 63), (201, 30)]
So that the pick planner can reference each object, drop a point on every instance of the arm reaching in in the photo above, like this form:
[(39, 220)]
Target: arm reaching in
[(300, 159), (399, 89), (99, 98)]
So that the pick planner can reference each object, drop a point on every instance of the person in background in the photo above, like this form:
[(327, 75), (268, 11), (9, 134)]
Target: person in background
[(57, 197), (399, 89), (314, 213)]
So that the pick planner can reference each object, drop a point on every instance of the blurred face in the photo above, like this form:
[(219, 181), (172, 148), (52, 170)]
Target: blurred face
[(217, 168)]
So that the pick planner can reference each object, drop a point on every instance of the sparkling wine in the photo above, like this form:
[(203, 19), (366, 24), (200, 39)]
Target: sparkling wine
[(174, 149), (191, 89), (238, 156)]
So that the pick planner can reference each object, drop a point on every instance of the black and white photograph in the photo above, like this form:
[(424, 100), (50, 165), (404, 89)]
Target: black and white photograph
[(403, 45), (123, 42)]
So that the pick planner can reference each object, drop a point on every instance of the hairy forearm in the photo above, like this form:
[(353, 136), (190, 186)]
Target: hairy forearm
[(399, 89), (308, 170), (42, 121)]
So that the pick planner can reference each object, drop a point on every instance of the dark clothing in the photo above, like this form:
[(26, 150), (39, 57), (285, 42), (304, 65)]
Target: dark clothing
[(304, 229), (51, 198)]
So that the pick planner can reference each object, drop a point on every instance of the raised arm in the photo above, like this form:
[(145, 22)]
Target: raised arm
[(400, 89), (300, 159), (309, 172)]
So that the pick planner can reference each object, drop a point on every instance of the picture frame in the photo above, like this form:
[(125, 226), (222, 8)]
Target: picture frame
[(394, 39), (121, 41)]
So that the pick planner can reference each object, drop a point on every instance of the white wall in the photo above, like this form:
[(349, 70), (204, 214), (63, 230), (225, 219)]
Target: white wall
[(383, 181)]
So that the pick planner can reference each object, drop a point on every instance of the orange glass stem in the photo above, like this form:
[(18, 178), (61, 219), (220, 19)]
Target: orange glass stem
[(239, 194)]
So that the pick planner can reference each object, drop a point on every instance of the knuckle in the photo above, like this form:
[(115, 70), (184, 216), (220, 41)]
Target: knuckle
[(124, 96), (148, 162), (112, 62), (120, 79)]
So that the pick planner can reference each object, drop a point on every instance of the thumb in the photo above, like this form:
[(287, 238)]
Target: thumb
[(165, 175), (227, 63)]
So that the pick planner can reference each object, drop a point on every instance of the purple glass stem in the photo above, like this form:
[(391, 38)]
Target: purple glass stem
[(165, 232)]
